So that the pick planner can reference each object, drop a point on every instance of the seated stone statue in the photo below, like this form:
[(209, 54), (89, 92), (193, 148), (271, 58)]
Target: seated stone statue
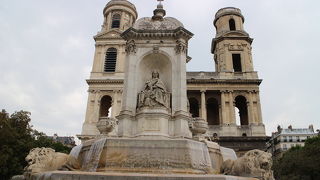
[(154, 93)]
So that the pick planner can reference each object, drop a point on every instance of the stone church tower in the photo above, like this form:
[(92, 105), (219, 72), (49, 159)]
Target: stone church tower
[(106, 80), (228, 99)]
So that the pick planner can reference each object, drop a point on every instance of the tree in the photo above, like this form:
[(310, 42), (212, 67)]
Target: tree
[(17, 138), (299, 162)]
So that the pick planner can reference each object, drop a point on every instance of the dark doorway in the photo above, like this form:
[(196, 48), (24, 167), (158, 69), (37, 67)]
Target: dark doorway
[(213, 111), (194, 107), (236, 60)]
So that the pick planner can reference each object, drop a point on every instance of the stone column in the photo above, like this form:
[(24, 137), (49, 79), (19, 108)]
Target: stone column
[(232, 115), (251, 117), (179, 93), (122, 20), (114, 104), (203, 105), (129, 95), (96, 107), (259, 118), (223, 108)]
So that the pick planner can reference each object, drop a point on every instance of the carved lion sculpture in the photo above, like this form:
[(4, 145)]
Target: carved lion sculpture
[(44, 159), (254, 163)]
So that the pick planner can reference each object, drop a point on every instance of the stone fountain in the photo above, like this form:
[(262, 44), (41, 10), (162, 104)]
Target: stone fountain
[(156, 136), (152, 151)]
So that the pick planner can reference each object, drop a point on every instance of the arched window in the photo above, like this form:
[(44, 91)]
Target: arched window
[(105, 106), (194, 107), (241, 105), (232, 25), (116, 21), (111, 60), (213, 111)]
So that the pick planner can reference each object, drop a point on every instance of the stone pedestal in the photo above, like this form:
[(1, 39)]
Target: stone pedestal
[(152, 155), (153, 121), (59, 175)]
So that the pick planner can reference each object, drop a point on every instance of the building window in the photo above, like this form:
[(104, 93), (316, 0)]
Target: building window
[(194, 107), (298, 139), (116, 21), (236, 60), (285, 147), (284, 138), (290, 138), (241, 105), (232, 25), (105, 106), (213, 111), (111, 60)]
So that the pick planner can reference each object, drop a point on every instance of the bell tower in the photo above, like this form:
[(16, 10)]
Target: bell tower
[(119, 15), (232, 45), (106, 79)]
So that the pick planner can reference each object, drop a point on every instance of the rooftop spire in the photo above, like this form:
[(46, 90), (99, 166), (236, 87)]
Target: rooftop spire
[(159, 13)]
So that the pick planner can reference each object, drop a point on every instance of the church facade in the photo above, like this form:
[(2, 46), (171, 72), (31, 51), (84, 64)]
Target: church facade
[(228, 99)]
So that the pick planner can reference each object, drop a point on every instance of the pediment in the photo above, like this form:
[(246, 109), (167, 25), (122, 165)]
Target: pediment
[(108, 35)]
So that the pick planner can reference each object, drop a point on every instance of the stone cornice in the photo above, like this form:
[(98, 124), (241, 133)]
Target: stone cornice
[(224, 81), (104, 81), (107, 35), (216, 40), (189, 81), (180, 32)]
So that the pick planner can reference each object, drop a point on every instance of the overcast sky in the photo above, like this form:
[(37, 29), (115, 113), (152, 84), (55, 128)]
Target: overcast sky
[(46, 53)]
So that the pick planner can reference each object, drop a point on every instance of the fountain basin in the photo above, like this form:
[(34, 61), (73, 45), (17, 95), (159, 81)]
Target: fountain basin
[(149, 156)]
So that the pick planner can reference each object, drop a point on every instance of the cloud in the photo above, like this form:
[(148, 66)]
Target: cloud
[(46, 53)]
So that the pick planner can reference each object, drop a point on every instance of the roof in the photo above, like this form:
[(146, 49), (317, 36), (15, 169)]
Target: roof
[(297, 131), (147, 23)]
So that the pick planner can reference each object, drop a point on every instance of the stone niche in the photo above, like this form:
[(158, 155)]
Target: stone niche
[(158, 62), (153, 119)]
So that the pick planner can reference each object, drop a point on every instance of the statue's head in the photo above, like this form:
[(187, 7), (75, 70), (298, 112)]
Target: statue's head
[(155, 74)]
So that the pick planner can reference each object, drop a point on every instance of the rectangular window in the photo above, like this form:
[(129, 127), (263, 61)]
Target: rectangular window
[(236, 60), (284, 147), (284, 138)]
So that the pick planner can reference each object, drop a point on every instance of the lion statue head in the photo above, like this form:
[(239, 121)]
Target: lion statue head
[(260, 159), (44, 159), (254, 163)]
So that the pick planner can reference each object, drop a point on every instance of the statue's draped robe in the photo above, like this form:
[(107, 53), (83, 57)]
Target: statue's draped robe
[(154, 94)]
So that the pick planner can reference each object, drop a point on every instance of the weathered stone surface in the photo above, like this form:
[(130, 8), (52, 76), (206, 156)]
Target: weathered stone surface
[(44, 159), (168, 23), (254, 163), (131, 176), (152, 155), (18, 177), (228, 153)]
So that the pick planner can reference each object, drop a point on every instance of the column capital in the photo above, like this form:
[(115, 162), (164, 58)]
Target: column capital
[(203, 90), (226, 91)]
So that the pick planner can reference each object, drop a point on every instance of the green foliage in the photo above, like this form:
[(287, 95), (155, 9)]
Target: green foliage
[(299, 162), (17, 138)]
